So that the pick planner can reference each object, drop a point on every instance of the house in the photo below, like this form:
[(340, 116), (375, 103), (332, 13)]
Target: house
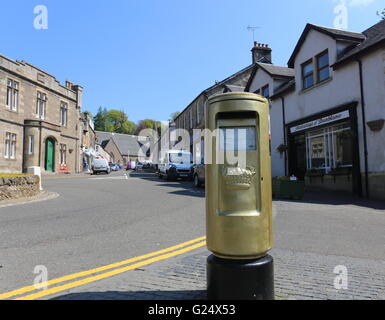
[(87, 141), (327, 118), (194, 115), (123, 147), (39, 120)]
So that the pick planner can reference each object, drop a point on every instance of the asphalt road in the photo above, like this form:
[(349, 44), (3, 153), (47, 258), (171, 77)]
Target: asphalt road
[(109, 218), (96, 221)]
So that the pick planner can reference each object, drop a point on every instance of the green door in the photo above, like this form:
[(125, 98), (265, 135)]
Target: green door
[(50, 155)]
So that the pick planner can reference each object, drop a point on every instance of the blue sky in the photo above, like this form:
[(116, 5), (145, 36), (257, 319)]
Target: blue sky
[(151, 58)]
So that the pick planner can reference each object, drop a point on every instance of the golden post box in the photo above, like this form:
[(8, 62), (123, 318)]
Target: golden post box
[(239, 200), (238, 196)]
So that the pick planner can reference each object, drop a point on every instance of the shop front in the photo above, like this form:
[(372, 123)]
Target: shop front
[(323, 150)]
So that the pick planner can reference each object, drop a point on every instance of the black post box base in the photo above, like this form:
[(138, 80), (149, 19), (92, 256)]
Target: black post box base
[(240, 279)]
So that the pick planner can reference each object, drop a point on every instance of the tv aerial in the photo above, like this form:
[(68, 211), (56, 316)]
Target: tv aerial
[(252, 29)]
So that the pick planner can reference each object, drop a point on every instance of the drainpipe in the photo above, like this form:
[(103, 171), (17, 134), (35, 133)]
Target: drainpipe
[(364, 128), (40, 143), (284, 131)]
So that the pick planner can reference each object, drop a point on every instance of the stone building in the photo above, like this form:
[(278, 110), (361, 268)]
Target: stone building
[(39, 120), (122, 147), (194, 115), (87, 141)]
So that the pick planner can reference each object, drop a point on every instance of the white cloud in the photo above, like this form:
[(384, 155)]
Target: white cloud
[(360, 3)]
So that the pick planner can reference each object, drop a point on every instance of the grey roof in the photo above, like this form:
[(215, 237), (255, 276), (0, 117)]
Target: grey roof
[(277, 70), (232, 88), (127, 144), (244, 72), (340, 33), (272, 70), (287, 86), (334, 33), (375, 35), (102, 136)]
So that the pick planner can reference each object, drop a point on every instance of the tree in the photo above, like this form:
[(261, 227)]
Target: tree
[(174, 115), (100, 119), (113, 121), (149, 124)]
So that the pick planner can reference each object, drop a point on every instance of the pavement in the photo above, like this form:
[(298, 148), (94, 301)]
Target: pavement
[(120, 224)]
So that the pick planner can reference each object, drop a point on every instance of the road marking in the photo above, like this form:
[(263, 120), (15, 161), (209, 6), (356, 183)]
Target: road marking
[(110, 273), (23, 290), (108, 178)]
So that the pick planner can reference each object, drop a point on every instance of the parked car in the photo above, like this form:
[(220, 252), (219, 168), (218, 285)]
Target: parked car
[(175, 165), (100, 165), (114, 167), (199, 175), (139, 166)]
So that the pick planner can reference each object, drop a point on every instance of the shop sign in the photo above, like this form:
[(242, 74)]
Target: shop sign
[(319, 122)]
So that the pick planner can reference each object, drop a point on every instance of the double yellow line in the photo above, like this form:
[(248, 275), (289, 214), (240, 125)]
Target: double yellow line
[(144, 260)]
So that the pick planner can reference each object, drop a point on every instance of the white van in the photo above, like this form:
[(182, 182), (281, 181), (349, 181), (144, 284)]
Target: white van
[(176, 164), (100, 165)]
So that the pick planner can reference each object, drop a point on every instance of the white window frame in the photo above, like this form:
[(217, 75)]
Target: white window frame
[(10, 145), (63, 114), (63, 153), (31, 145), (41, 105), (12, 97), (328, 134)]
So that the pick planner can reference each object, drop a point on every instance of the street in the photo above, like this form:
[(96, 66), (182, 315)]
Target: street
[(104, 219)]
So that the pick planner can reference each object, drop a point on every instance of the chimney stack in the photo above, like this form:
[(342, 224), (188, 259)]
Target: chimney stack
[(261, 53)]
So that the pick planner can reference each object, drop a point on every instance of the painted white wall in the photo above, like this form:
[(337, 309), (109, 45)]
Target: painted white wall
[(261, 79), (342, 88), (373, 66)]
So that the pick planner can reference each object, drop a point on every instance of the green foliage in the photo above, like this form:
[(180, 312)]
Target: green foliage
[(113, 121), (149, 124)]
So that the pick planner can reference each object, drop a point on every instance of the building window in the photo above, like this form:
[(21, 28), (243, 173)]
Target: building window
[(265, 91), (308, 74), (10, 145), (12, 95), (63, 154), (31, 144), (323, 70), (198, 113), (329, 148), (41, 105), (63, 114)]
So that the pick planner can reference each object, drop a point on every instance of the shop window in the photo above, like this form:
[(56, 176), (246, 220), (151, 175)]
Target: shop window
[(329, 148)]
